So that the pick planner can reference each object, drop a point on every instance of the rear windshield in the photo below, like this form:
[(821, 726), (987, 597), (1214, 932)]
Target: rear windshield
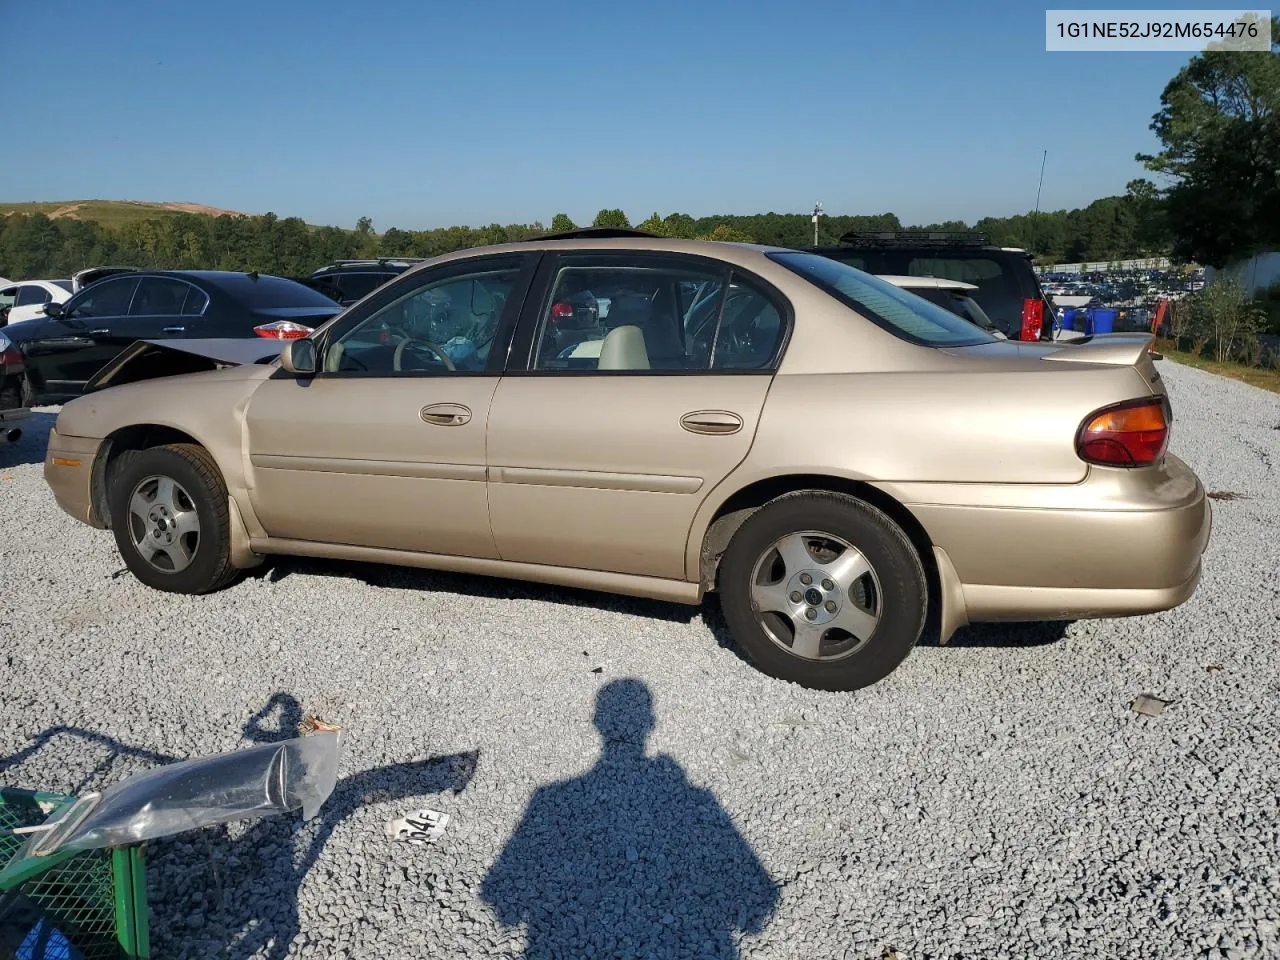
[(1003, 281), (64, 284), (898, 311), (355, 286), (273, 292), (957, 303)]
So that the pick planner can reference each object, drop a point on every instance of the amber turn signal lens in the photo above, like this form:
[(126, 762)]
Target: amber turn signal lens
[(1133, 434)]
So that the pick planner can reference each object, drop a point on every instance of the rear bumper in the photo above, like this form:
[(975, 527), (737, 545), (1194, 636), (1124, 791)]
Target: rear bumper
[(68, 469), (1117, 544)]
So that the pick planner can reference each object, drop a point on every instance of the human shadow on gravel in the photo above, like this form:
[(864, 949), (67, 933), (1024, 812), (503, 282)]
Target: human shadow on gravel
[(114, 749), (235, 894), (629, 859), (472, 585), (33, 443)]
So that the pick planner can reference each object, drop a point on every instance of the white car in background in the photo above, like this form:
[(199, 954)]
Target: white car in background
[(25, 299)]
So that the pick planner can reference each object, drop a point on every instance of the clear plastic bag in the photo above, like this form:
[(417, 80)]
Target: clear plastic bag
[(259, 781)]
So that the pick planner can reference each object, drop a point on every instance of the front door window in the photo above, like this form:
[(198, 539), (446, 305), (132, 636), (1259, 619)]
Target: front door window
[(446, 326)]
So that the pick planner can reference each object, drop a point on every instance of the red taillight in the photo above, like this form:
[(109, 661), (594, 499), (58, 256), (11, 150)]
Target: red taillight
[(10, 357), (1132, 434), (1032, 319), (562, 310), (282, 330)]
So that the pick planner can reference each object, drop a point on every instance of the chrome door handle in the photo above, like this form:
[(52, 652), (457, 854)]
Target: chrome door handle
[(174, 329), (99, 333), (445, 414), (711, 422)]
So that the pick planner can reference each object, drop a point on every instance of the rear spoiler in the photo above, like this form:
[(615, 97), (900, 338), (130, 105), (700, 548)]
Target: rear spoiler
[(148, 359), (1121, 349)]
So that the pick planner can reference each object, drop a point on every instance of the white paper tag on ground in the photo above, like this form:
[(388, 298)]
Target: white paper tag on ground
[(419, 827)]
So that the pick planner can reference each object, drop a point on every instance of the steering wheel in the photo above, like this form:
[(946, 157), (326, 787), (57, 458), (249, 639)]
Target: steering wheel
[(437, 350)]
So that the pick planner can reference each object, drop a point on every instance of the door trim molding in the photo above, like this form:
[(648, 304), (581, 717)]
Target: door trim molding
[(376, 468), (632, 482)]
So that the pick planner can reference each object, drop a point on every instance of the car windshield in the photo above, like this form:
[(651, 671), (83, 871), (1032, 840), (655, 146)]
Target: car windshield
[(265, 292), (898, 311)]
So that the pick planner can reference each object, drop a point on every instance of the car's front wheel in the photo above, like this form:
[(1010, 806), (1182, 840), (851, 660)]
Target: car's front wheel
[(169, 516), (824, 590)]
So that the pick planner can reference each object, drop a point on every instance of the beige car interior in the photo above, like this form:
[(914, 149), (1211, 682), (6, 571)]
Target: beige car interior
[(623, 349)]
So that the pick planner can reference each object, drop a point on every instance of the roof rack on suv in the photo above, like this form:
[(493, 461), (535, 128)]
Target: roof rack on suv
[(914, 238), (595, 233), (378, 261)]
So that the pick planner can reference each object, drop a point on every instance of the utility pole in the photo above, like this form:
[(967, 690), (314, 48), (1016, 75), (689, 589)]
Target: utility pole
[(817, 212)]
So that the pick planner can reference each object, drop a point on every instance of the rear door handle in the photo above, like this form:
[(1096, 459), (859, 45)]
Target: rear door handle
[(445, 414), (711, 422), (99, 333), (174, 329)]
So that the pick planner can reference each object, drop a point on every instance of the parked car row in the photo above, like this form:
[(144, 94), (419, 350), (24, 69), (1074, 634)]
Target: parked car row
[(654, 417), (26, 299), (67, 332), (72, 340)]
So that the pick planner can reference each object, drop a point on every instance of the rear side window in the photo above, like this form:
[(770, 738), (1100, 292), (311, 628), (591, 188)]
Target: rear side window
[(898, 311), (195, 302)]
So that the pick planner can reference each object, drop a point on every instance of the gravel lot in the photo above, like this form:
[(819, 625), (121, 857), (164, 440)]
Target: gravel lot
[(996, 798)]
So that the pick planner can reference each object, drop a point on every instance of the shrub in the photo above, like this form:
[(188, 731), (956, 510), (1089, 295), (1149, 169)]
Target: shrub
[(1222, 315)]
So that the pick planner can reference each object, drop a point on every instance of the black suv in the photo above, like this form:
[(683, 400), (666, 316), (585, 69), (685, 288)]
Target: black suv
[(1008, 290), (347, 281)]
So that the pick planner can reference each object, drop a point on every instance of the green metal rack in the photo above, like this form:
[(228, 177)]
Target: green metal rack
[(97, 899)]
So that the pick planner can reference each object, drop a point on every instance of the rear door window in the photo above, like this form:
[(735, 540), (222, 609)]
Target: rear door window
[(159, 297)]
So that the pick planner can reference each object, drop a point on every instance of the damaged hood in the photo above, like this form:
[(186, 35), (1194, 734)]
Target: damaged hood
[(148, 359)]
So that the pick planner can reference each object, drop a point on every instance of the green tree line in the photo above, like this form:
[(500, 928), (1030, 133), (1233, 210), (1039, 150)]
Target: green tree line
[(35, 246)]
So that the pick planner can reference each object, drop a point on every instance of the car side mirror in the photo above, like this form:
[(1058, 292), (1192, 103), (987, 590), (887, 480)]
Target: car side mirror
[(299, 357), (53, 309)]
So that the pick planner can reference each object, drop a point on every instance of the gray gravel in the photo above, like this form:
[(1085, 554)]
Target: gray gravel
[(993, 799)]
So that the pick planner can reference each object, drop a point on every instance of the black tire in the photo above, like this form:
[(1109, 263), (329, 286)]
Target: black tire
[(194, 471), (28, 398), (901, 595)]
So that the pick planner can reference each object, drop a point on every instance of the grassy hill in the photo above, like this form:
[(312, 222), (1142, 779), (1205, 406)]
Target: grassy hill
[(110, 213)]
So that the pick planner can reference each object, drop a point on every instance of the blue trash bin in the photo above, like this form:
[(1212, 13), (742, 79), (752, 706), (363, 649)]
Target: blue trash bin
[(1104, 320)]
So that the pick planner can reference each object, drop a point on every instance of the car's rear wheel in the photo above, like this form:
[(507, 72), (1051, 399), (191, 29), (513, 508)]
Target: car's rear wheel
[(169, 516), (823, 590)]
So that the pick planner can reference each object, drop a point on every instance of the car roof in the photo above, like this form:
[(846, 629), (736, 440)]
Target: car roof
[(747, 255), (935, 283)]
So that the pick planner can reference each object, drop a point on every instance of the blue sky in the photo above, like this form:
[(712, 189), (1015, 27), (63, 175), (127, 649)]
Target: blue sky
[(424, 113)]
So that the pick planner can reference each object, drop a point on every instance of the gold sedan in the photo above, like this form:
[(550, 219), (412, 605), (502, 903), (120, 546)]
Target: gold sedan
[(838, 459)]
